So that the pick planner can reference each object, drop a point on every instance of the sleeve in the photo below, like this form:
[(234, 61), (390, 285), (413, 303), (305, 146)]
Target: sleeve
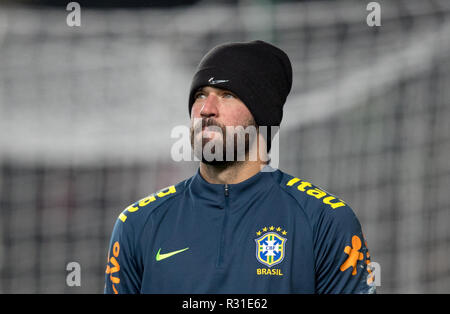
[(123, 274), (341, 255)]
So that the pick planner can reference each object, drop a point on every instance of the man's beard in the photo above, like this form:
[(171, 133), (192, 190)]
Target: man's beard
[(226, 157)]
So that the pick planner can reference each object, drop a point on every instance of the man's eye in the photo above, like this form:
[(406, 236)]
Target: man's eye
[(199, 95), (228, 95)]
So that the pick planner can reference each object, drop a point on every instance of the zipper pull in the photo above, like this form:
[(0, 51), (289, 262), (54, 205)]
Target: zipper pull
[(226, 190)]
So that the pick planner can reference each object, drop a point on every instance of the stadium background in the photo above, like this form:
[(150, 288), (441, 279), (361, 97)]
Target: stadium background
[(86, 115)]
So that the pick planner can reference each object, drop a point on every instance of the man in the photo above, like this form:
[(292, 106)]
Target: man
[(238, 226)]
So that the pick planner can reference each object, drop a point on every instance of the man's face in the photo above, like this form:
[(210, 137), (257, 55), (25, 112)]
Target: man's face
[(213, 111)]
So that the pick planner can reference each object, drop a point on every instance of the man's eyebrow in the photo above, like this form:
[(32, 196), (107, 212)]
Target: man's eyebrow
[(220, 90)]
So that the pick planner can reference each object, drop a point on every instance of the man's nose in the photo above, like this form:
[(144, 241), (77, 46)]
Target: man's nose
[(210, 106)]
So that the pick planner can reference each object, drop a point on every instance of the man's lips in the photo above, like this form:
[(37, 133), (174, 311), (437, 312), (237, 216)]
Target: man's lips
[(211, 128), (210, 131)]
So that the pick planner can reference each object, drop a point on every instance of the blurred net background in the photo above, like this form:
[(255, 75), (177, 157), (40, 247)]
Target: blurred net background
[(86, 115)]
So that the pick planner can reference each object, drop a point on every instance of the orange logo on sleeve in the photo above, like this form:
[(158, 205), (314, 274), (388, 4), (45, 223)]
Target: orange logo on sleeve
[(354, 255), (116, 266)]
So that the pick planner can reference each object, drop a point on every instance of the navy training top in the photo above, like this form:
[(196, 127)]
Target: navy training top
[(272, 233)]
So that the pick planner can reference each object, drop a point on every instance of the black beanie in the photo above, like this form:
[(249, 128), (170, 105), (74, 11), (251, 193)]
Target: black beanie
[(259, 73)]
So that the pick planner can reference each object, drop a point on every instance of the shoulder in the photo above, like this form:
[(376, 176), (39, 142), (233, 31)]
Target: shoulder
[(139, 211), (320, 206), (132, 221), (309, 195)]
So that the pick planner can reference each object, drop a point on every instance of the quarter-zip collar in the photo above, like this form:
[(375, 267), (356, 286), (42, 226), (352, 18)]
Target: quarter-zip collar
[(213, 195)]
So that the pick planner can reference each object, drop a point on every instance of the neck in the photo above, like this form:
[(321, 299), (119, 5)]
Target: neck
[(232, 173)]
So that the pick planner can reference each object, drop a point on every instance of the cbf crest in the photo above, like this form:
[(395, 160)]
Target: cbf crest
[(270, 246)]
